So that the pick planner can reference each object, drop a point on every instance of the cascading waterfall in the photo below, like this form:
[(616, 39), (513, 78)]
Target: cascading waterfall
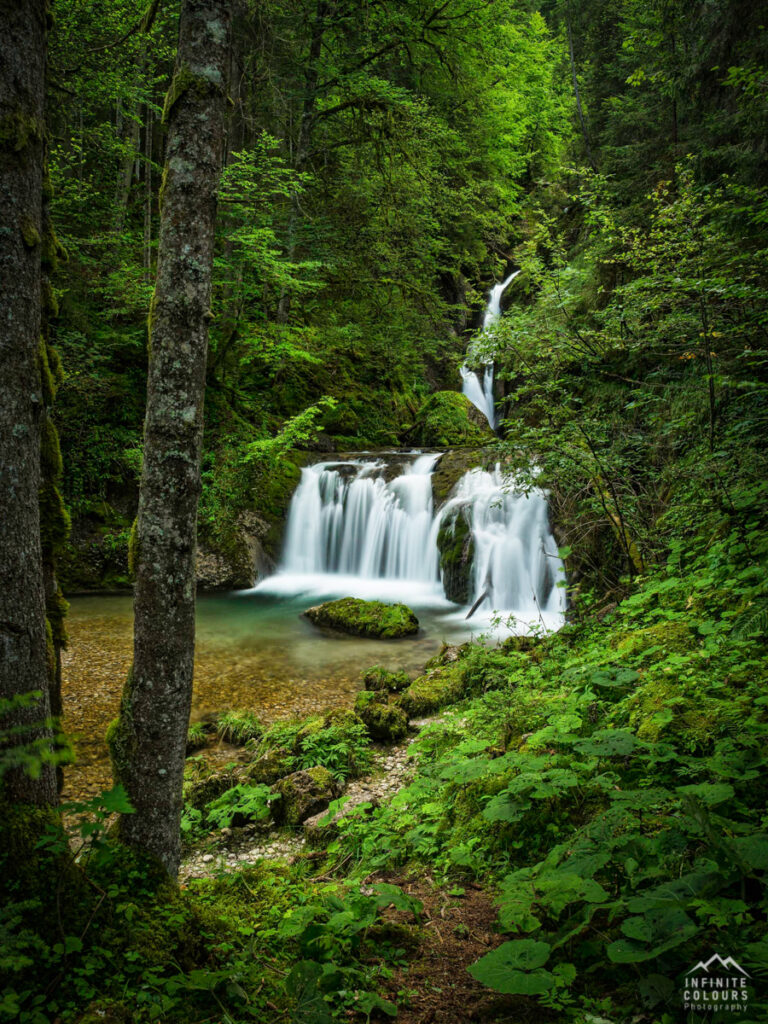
[(347, 518), (516, 565), (480, 393), (358, 527)]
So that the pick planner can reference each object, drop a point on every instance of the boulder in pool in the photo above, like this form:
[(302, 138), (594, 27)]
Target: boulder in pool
[(365, 618)]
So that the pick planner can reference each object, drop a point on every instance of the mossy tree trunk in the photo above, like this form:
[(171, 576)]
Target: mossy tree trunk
[(148, 740), (25, 650)]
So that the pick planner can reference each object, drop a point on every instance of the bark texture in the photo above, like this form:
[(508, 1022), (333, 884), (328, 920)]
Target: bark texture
[(25, 652), (148, 740)]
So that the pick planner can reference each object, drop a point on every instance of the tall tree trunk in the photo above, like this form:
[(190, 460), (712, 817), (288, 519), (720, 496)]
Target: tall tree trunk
[(24, 654), (148, 740), (576, 92), (304, 138)]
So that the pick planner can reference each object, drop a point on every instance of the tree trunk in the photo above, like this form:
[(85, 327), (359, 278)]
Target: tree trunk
[(304, 139), (148, 740), (577, 94), (23, 647)]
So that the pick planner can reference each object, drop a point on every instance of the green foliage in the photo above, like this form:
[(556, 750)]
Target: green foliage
[(239, 727)]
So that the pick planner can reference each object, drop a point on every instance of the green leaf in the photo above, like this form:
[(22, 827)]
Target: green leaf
[(710, 793), (513, 968)]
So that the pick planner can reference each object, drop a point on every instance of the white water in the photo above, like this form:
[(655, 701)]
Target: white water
[(516, 562), (352, 532), (480, 393)]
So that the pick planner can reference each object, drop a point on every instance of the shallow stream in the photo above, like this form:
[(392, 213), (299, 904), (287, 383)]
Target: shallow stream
[(254, 651)]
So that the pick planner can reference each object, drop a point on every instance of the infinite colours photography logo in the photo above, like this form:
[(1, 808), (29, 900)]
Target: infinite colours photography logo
[(717, 985)]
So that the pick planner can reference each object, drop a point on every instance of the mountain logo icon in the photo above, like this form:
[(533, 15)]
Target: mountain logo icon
[(715, 962)]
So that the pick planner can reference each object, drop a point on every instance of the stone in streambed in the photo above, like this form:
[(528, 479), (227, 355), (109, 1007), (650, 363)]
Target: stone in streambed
[(365, 618), (302, 794), (385, 722), (379, 678)]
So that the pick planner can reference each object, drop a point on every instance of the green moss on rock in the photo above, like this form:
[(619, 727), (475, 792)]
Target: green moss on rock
[(270, 766), (449, 418), (302, 794), (379, 678), (434, 690), (456, 545), (365, 618)]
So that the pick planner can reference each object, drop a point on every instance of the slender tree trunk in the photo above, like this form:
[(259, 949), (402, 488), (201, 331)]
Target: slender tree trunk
[(23, 646), (148, 740), (577, 94), (304, 140)]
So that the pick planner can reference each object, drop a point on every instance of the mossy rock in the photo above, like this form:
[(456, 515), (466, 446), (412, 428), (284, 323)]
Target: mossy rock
[(379, 678), (657, 641), (449, 418), (452, 466), (270, 766), (202, 785), (385, 722), (303, 794), (365, 618), (434, 690), (449, 654), (456, 545)]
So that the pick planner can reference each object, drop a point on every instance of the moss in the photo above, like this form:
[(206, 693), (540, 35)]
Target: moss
[(365, 618), (302, 794), (385, 723), (53, 250), (456, 545), (18, 131), (56, 608), (54, 519), (184, 80), (50, 450), (29, 233), (47, 379), (50, 302), (379, 678), (54, 364), (133, 549), (434, 690), (121, 737), (448, 418), (272, 765), (657, 641)]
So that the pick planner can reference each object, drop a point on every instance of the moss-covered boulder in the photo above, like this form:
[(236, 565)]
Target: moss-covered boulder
[(379, 678), (456, 545), (202, 785), (365, 618), (448, 418), (270, 766), (300, 795), (385, 722), (434, 690), (453, 464)]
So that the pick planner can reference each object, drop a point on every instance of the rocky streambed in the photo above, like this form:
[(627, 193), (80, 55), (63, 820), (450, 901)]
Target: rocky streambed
[(231, 848)]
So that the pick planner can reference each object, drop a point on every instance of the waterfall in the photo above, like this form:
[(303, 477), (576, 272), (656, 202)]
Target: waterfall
[(516, 565), (480, 393), (367, 527), (347, 518)]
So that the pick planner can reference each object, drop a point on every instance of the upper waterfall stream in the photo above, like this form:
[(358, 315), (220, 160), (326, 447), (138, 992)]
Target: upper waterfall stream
[(481, 392)]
